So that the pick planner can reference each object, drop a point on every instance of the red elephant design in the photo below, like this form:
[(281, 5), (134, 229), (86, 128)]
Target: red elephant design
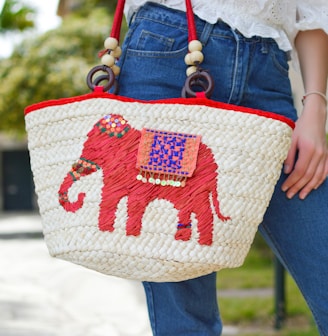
[(112, 145)]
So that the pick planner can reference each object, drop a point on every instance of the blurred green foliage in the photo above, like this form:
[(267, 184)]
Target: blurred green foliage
[(52, 65), (15, 15)]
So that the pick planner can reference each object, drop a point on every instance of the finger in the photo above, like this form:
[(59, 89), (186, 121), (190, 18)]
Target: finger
[(315, 182), (312, 177), (324, 174), (304, 171), (291, 156), (294, 181)]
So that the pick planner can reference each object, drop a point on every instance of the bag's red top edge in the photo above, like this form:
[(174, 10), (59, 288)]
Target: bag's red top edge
[(183, 101)]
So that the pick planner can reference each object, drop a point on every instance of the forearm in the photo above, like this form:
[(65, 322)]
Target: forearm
[(307, 160), (312, 48)]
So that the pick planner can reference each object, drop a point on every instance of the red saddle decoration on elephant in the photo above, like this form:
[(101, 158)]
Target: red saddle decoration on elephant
[(169, 158)]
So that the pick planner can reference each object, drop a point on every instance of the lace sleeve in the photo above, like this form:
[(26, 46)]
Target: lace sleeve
[(312, 15)]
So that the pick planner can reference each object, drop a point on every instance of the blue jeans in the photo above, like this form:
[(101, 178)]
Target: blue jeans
[(251, 72)]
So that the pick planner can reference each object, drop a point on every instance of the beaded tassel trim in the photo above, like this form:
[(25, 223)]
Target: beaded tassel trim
[(167, 158)]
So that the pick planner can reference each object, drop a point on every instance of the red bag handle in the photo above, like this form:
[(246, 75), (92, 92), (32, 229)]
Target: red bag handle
[(196, 77), (118, 18)]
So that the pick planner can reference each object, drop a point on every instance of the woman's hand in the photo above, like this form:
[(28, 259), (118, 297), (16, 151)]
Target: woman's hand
[(307, 160)]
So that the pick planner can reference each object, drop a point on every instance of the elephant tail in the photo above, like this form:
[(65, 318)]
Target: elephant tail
[(217, 205)]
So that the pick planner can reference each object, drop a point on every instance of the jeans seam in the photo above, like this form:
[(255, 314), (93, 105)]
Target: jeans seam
[(251, 56), (280, 67), (151, 307), (206, 33), (127, 40), (235, 67)]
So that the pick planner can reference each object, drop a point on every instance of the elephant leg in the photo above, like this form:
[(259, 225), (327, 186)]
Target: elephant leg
[(136, 210), (184, 226), (111, 196), (204, 216), (106, 217)]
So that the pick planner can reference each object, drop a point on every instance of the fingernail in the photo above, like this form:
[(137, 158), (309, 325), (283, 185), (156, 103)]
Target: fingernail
[(286, 169), (303, 196), (290, 195)]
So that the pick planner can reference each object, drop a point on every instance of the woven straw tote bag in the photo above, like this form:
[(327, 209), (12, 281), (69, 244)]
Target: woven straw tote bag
[(122, 195)]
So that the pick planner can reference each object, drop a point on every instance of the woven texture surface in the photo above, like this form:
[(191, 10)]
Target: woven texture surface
[(183, 232)]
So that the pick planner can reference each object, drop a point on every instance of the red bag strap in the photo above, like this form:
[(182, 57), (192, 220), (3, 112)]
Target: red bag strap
[(118, 18), (196, 77), (191, 22), (117, 21)]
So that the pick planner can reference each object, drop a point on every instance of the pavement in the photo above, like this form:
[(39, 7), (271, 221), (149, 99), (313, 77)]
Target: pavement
[(43, 296)]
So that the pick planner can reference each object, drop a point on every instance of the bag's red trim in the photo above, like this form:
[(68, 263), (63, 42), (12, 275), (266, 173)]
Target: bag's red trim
[(181, 101)]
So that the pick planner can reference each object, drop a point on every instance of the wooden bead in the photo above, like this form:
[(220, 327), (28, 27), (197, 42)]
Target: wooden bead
[(197, 57), (188, 59), (111, 43), (191, 70), (108, 60), (117, 52), (116, 70), (194, 58), (195, 45)]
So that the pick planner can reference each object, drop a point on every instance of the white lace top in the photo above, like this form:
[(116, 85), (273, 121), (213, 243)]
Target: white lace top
[(278, 19)]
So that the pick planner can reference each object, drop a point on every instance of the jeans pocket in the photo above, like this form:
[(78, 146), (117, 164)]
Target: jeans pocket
[(150, 38), (155, 42), (279, 59), (152, 59)]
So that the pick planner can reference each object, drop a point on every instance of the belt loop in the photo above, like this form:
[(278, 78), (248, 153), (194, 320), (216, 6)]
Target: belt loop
[(265, 48), (205, 35), (130, 17)]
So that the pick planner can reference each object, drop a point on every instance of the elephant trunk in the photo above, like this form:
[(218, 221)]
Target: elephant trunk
[(82, 168)]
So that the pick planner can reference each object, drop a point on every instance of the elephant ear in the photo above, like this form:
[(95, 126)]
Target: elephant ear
[(113, 125), (163, 154)]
